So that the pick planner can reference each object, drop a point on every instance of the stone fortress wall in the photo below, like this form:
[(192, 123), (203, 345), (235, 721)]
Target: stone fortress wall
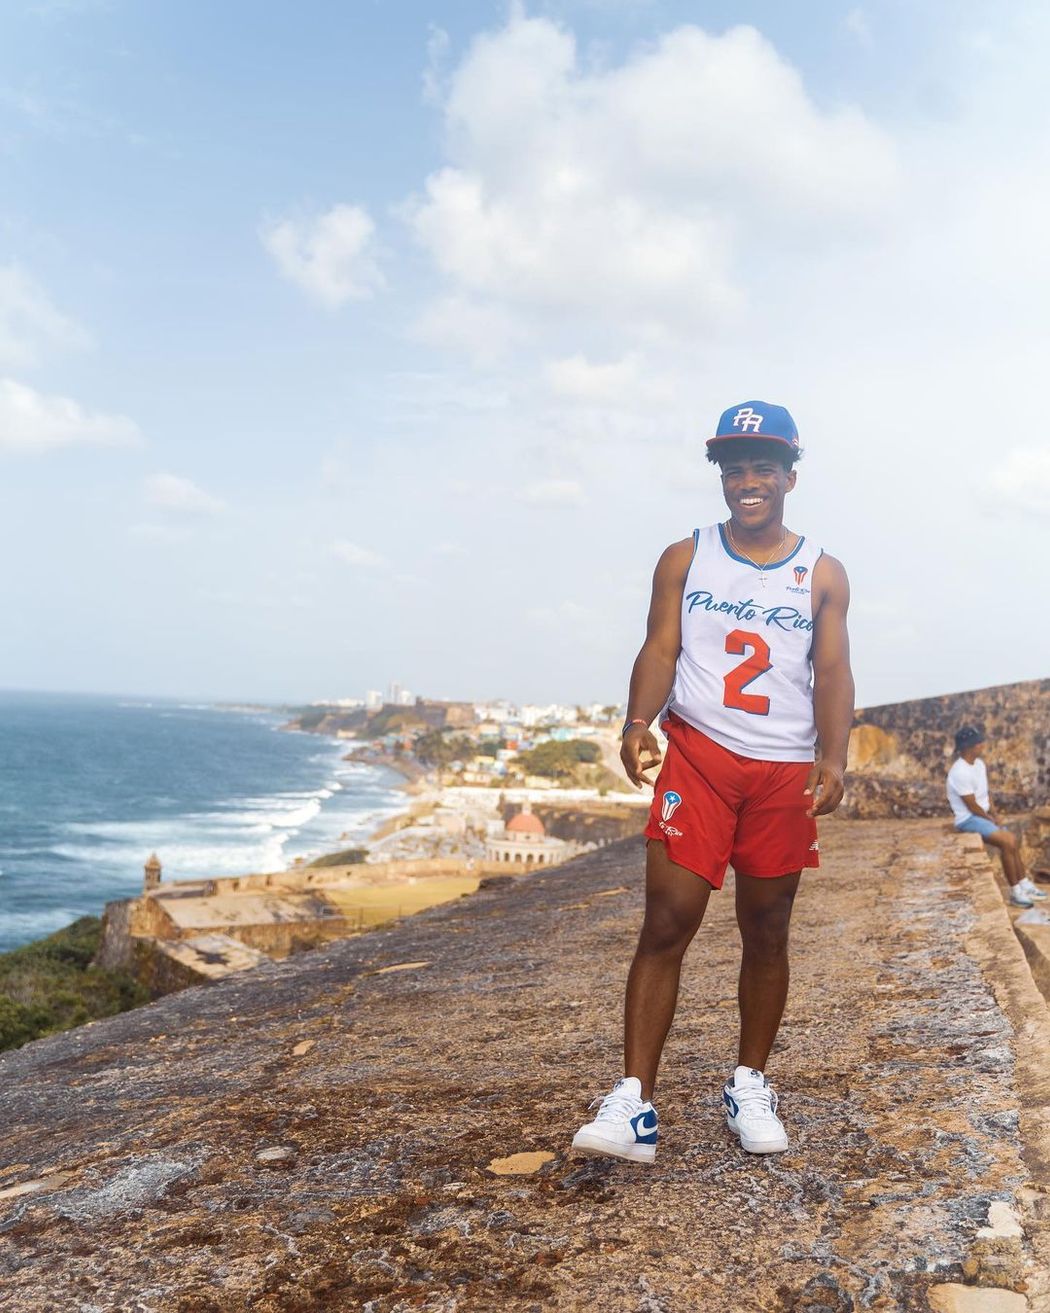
[(900, 753), (186, 932)]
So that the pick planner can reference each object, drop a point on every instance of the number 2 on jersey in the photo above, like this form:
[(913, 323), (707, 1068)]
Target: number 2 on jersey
[(757, 663)]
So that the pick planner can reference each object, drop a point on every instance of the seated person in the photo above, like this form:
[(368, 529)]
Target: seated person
[(971, 807)]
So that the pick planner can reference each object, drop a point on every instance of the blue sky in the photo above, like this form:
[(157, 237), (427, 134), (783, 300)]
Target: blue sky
[(342, 343)]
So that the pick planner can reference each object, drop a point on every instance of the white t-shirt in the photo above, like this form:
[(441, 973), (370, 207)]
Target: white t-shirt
[(963, 780)]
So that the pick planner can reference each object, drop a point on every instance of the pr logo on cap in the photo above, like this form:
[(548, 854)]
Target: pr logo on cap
[(747, 418), (757, 419)]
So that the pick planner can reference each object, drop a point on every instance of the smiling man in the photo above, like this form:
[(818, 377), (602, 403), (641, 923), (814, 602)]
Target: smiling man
[(747, 655)]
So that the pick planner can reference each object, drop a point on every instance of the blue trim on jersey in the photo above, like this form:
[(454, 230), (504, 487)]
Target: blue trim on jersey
[(744, 561), (696, 544)]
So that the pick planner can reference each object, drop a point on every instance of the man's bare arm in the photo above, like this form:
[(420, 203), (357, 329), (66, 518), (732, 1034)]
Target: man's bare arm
[(833, 689), (975, 807), (654, 667)]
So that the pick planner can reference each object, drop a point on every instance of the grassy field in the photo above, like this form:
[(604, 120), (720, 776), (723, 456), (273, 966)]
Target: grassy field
[(368, 907), (50, 985)]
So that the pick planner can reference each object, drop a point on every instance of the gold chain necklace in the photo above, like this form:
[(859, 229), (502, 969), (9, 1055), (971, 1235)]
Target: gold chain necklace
[(760, 568)]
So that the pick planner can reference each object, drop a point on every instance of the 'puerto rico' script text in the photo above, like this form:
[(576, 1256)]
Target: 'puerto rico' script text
[(783, 617)]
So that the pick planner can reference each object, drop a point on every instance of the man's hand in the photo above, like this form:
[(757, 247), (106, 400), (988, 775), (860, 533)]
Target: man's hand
[(639, 752), (824, 784)]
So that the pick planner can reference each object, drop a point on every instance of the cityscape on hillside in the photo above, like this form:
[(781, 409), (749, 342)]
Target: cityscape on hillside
[(477, 743)]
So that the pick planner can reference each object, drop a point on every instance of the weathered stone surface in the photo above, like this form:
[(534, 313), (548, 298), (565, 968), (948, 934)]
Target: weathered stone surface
[(1036, 840), (952, 1298), (900, 753), (913, 1068), (520, 1164), (277, 1155)]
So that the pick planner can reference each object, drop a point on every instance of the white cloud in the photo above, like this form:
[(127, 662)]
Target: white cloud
[(433, 73), (624, 192), (171, 492), (29, 321), (856, 23), (33, 421), (570, 614), (624, 382), (354, 554), (161, 534), (1022, 481), (330, 257), (455, 323), (556, 492)]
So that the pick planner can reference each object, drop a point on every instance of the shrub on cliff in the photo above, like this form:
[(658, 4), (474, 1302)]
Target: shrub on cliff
[(435, 748), (50, 985), (558, 760), (345, 857)]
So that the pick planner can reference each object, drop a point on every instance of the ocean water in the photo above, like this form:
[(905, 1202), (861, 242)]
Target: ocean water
[(90, 786)]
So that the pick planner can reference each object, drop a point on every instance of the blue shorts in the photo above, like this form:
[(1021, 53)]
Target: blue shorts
[(977, 825)]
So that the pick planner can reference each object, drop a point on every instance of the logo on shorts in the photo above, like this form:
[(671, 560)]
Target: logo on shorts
[(672, 801), (814, 847)]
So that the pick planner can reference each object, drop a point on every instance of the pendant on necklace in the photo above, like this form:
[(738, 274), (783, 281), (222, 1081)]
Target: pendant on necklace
[(762, 578)]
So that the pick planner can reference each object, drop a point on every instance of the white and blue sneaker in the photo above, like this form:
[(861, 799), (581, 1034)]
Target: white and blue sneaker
[(625, 1126), (751, 1112), (1030, 889)]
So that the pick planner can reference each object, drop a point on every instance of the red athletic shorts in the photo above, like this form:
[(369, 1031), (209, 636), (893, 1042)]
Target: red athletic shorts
[(712, 807)]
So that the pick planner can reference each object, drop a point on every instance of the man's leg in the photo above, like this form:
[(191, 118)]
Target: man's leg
[(1005, 842), (763, 913), (675, 902)]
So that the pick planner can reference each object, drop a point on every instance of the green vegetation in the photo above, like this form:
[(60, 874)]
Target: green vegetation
[(392, 720), (50, 985), (348, 857), (558, 760), (435, 748), (311, 717)]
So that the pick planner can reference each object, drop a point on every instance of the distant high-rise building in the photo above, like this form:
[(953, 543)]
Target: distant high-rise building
[(395, 693), (405, 697), (373, 699)]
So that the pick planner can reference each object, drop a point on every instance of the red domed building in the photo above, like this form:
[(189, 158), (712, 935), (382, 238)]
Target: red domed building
[(526, 822), (525, 841)]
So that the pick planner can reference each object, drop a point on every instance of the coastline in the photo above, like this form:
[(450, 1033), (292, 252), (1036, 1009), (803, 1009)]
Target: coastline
[(412, 774), (430, 850)]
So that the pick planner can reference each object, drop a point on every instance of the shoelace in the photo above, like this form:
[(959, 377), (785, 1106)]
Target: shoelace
[(759, 1101), (617, 1106)]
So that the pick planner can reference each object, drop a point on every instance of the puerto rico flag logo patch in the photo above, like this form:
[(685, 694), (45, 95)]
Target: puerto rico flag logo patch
[(800, 573), (672, 801)]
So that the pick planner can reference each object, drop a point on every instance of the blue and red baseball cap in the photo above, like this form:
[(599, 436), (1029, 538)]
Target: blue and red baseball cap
[(756, 419)]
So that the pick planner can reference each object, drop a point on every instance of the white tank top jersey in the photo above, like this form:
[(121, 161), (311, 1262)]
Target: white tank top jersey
[(744, 675)]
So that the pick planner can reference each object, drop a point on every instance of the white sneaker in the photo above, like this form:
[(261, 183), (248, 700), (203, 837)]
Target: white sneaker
[(625, 1126), (751, 1112), (1019, 895), (1030, 889)]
